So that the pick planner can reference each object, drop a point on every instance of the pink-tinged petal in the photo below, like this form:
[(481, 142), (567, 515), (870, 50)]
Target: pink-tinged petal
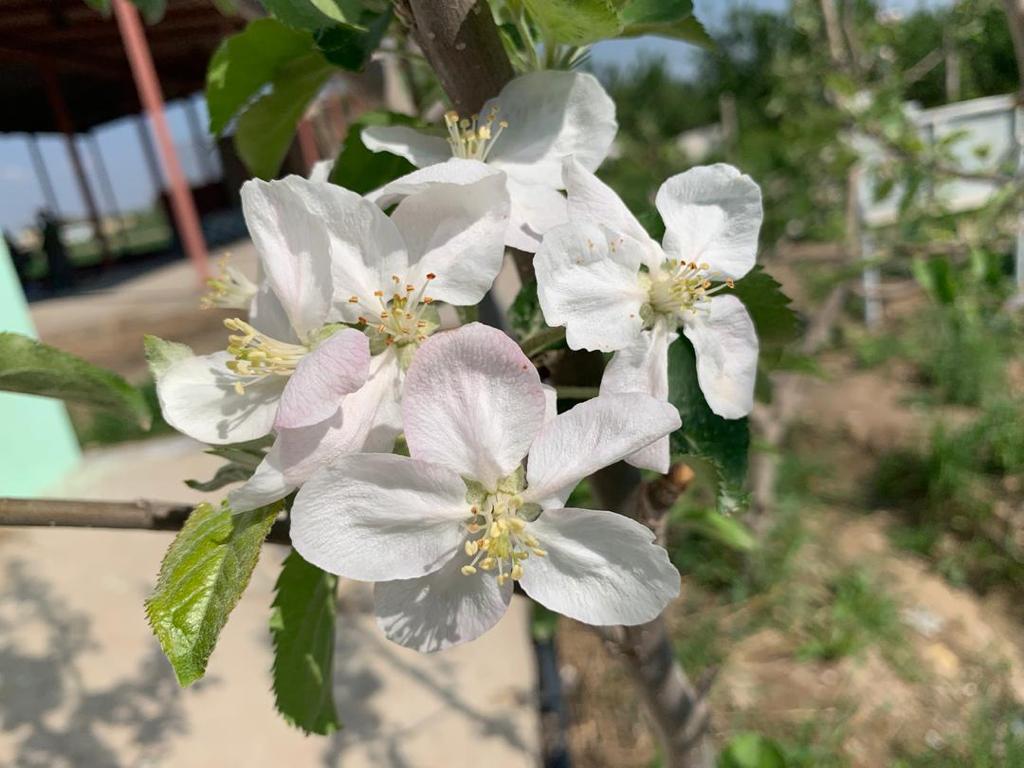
[(725, 342), (588, 279), (368, 420), (601, 568), (591, 436), (267, 484), (418, 147), (455, 232), (198, 397), (339, 365), (473, 402), (551, 115), (591, 200), (440, 610), (378, 516), (643, 367), (712, 215)]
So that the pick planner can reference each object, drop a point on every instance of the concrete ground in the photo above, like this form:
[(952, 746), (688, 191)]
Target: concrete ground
[(83, 682)]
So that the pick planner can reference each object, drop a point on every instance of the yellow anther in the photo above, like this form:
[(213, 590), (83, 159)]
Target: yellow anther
[(488, 563), (239, 388), (468, 570), (517, 571), (471, 547)]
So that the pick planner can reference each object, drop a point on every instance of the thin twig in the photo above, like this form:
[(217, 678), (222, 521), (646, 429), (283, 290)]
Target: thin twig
[(82, 513)]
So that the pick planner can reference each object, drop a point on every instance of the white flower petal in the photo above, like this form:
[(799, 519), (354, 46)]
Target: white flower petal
[(643, 367), (292, 242), (440, 610), (591, 200), (267, 315), (197, 396), (457, 233), (419, 148), (550, 402), (601, 568), (725, 342), (535, 210), (338, 366), (473, 402), (377, 516), (267, 484), (712, 215), (454, 170), (369, 420), (551, 115), (591, 436), (321, 171), (588, 280)]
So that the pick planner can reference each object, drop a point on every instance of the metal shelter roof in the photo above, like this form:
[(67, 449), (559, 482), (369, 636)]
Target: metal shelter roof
[(67, 43)]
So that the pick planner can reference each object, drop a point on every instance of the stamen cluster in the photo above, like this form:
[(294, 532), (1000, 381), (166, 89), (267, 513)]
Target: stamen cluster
[(469, 138), (683, 287), (256, 354), (497, 537), (401, 319), (230, 289)]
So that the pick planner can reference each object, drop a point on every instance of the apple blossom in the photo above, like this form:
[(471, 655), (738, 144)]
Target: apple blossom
[(447, 530), (444, 244), (526, 131), (617, 290)]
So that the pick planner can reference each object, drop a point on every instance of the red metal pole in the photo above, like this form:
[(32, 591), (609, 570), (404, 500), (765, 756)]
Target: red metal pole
[(182, 204)]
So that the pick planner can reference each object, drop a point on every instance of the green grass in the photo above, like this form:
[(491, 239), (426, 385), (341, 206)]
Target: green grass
[(994, 739)]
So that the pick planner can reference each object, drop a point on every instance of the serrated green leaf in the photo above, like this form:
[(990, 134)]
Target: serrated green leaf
[(266, 129), (314, 14), (722, 442), (575, 22), (361, 170), (776, 322), (246, 62), (202, 576), (225, 475), (688, 30), (348, 45), (302, 627), (33, 368)]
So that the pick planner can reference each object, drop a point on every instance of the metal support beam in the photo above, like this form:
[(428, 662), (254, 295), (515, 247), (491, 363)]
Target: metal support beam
[(62, 116), (107, 188), (182, 204), (199, 142), (42, 175)]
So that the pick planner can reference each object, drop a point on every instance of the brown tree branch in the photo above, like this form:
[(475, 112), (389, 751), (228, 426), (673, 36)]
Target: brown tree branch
[(79, 513)]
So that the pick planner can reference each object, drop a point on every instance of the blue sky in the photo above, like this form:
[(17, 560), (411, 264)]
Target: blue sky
[(21, 197)]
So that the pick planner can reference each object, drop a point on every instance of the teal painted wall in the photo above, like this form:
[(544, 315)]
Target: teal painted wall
[(37, 444)]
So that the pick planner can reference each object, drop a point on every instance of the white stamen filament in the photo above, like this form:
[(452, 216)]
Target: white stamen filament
[(682, 287), (230, 289), (497, 538), (469, 138), (257, 355), (399, 320)]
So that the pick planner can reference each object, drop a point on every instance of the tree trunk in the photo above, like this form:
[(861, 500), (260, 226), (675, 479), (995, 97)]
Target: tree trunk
[(1015, 18)]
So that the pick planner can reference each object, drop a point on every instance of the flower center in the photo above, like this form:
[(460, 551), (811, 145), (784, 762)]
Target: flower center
[(682, 287), (257, 355), (471, 139), (230, 289), (496, 530), (406, 317)]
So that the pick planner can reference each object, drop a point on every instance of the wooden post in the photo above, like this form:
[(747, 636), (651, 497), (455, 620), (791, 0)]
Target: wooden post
[(182, 205), (66, 126)]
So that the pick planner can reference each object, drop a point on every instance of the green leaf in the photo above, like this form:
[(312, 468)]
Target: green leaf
[(575, 22), (246, 62), (361, 170), (266, 129), (348, 45), (655, 11), (160, 354), (688, 30), (722, 442), (201, 579), (542, 340), (225, 475), (776, 322), (314, 14), (302, 627), (34, 368), (152, 10), (935, 276), (524, 316), (721, 528), (751, 750)]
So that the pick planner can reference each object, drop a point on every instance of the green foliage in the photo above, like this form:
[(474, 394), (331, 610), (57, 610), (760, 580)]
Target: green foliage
[(994, 739), (359, 169), (152, 10), (314, 14), (104, 428), (302, 627), (751, 750), (582, 22), (855, 614), (34, 368), (202, 576), (722, 442), (524, 316), (714, 526), (225, 475), (349, 45), (665, 18), (265, 130), (246, 62), (776, 322)]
